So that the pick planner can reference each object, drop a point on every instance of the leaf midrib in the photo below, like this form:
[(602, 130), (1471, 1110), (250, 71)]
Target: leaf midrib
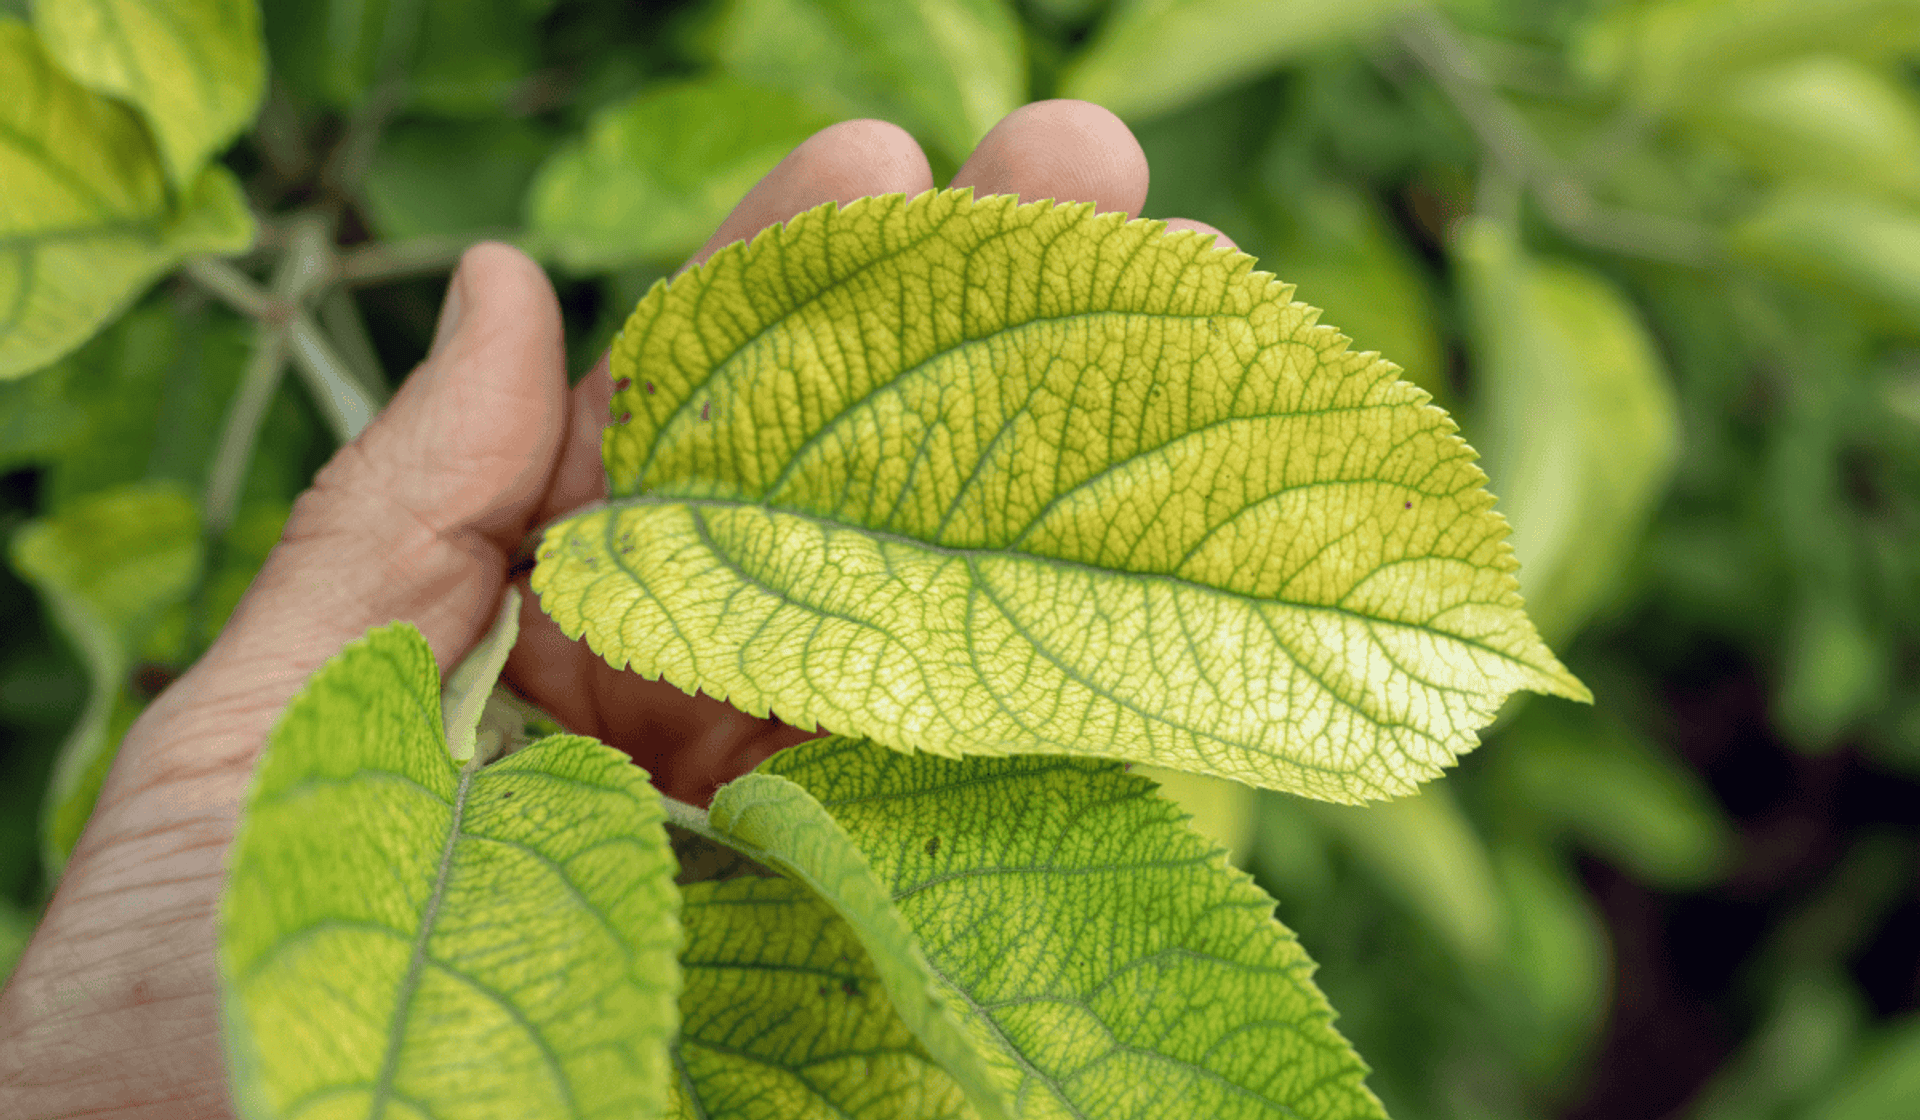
[(969, 555), (416, 966)]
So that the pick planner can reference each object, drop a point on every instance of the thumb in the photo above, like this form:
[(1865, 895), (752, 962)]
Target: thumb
[(414, 519)]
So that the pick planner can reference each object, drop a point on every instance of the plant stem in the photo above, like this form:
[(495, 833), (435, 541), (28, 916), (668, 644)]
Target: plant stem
[(383, 262), (237, 435), (343, 403), (1513, 148)]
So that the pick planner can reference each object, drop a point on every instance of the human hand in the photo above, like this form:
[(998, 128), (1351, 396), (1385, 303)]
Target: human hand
[(114, 1009)]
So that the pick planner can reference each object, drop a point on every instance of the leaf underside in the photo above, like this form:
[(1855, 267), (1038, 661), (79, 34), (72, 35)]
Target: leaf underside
[(403, 937), (976, 476), (1105, 959), (783, 1016)]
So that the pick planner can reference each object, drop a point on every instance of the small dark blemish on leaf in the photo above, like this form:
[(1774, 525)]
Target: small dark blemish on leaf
[(624, 417), (505, 795), (622, 384), (1409, 505), (933, 846), (706, 411), (825, 991), (649, 388), (850, 988)]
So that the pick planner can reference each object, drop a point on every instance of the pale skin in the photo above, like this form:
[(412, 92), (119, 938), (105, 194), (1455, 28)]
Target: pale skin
[(113, 1011)]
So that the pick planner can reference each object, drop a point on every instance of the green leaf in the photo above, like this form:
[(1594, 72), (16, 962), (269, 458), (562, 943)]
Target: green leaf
[(39, 419), (783, 1016), (476, 941), (1581, 425), (1557, 951), (1624, 797), (1824, 118), (784, 827), (1884, 1080), (457, 57), (656, 174), (452, 178), (998, 478), (1664, 56), (946, 69), (1862, 251), (106, 567), (1108, 960), (1154, 56), (196, 69), (87, 222), (1424, 850)]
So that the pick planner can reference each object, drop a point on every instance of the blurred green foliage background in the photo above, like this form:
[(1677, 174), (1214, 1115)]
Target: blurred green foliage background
[(1661, 259)]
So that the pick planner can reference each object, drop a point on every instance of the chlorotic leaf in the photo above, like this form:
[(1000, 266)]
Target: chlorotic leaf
[(947, 69), (1000, 478), (87, 222), (656, 173), (1107, 960), (391, 919), (783, 1016), (196, 69), (106, 567), (1155, 56), (784, 827)]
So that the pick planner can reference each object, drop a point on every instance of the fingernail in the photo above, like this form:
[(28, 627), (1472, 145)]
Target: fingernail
[(449, 313)]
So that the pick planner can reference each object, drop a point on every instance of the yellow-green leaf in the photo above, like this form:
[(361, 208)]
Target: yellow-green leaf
[(784, 827), (1861, 250), (402, 935), (196, 69), (86, 222), (784, 1017), (985, 477), (106, 566), (1106, 960)]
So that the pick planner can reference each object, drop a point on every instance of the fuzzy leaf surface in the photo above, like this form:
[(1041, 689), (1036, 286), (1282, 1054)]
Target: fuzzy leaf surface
[(783, 1016), (85, 222), (431, 916), (974, 476), (788, 830), (1106, 959), (196, 69)]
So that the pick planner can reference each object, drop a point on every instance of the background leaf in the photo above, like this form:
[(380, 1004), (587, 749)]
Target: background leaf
[(1153, 56), (473, 939), (106, 567), (1579, 423), (87, 223), (1107, 959), (657, 173), (1090, 490), (196, 69), (783, 1017), (946, 69)]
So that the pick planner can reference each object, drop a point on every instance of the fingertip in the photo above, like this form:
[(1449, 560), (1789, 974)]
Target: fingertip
[(1061, 149), (839, 163), (1220, 240)]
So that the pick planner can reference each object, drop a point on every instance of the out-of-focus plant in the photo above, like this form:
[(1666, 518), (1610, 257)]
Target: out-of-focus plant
[(1663, 258)]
